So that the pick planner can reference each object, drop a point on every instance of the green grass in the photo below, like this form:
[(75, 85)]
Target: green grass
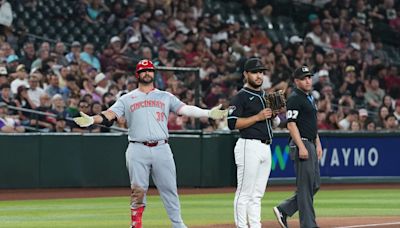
[(196, 209)]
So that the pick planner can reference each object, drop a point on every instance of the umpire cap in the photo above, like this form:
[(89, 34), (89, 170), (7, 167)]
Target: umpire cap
[(302, 72), (254, 64)]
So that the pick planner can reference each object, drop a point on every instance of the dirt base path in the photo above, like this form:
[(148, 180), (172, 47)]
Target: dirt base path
[(347, 222), (60, 193)]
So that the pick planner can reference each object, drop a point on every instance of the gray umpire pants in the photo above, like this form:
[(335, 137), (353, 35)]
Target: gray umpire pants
[(307, 183)]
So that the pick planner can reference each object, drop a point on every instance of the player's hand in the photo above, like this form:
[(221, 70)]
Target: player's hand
[(264, 114), (303, 153), (84, 120), (216, 113)]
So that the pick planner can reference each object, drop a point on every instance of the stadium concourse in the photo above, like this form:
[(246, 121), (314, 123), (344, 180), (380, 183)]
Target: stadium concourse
[(63, 57)]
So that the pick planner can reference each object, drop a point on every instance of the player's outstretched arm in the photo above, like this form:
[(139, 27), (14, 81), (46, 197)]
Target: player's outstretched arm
[(193, 111), (105, 118)]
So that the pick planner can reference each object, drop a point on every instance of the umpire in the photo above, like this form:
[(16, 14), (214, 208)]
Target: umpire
[(305, 151), (249, 113)]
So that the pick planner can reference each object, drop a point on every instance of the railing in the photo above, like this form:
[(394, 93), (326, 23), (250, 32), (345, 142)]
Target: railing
[(39, 113)]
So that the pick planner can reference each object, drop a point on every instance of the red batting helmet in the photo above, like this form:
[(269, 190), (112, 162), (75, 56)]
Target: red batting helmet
[(144, 64)]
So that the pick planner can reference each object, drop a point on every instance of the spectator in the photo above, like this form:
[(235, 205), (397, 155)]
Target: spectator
[(53, 88), (88, 88), (88, 56), (95, 11), (7, 123), (351, 83), (363, 117), (388, 102), (132, 50), (3, 75), (102, 84), (391, 122), (63, 73), (6, 16), (59, 51), (74, 54), (374, 95), (321, 120), (12, 63), (58, 105), (383, 112), (397, 110), (43, 122), (23, 100), (346, 102), (61, 125), (6, 97), (21, 79), (28, 55), (355, 126), (345, 123), (173, 123), (37, 63), (359, 99), (71, 89), (370, 125)]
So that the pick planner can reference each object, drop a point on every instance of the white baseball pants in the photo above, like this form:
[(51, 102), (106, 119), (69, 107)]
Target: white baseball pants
[(253, 161)]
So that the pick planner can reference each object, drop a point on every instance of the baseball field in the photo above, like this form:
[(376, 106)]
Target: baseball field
[(336, 206)]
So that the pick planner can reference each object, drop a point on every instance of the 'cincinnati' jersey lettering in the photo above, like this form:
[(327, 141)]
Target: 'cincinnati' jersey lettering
[(147, 103)]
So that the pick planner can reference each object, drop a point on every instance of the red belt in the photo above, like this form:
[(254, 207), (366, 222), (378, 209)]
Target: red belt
[(151, 143)]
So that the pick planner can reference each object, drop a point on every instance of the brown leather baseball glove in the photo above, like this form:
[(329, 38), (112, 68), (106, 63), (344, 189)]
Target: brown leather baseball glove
[(276, 100)]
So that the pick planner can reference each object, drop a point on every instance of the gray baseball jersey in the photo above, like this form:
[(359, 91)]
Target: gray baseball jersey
[(147, 114), (147, 118)]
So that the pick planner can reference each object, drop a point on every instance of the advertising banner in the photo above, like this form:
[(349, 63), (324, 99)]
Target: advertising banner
[(348, 156)]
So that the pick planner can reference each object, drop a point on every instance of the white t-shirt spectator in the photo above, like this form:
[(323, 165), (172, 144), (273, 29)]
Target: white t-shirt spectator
[(17, 83), (6, 17), (344, 124), (34, 95)]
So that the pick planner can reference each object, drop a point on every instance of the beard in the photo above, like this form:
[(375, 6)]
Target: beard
[(146, 79), (254, 84)]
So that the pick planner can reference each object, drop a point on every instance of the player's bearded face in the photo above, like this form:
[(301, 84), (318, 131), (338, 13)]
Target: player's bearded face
[(255, 79), (146, 77)]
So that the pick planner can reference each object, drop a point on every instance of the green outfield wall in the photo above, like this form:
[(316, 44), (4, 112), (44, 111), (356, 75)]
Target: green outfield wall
[(202, 159)]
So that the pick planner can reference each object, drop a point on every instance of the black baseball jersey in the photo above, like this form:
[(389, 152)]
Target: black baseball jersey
[(301, 108), (247, 103)]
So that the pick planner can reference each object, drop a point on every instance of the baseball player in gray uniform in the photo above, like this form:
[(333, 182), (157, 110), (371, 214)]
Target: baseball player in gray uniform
[(146, 110)]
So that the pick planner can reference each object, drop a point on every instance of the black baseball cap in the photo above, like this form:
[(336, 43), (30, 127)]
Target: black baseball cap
[(302, 72), (254, 64)]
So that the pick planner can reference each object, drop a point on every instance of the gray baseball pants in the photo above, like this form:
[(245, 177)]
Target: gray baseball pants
[(307, 183)]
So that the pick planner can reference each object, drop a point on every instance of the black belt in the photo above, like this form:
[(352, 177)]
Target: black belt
[(151, 143), (310, 140), (267, 141)]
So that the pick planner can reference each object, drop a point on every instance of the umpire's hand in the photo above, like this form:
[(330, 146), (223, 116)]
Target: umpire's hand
[(84, 120)]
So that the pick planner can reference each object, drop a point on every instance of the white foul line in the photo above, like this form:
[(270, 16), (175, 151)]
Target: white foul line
[(370, 225)]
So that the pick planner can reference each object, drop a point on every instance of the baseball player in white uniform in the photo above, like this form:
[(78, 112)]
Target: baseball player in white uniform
[(146, 110), (249, 113)]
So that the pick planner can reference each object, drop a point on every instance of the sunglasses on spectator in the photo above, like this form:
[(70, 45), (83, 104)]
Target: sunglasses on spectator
[(83, 106)]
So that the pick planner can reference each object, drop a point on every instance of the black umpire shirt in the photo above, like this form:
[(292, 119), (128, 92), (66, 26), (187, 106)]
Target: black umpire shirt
[(247, 103), (301, 108)]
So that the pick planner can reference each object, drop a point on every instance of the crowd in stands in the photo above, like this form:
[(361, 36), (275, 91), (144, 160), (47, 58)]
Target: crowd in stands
[(356, 84)]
